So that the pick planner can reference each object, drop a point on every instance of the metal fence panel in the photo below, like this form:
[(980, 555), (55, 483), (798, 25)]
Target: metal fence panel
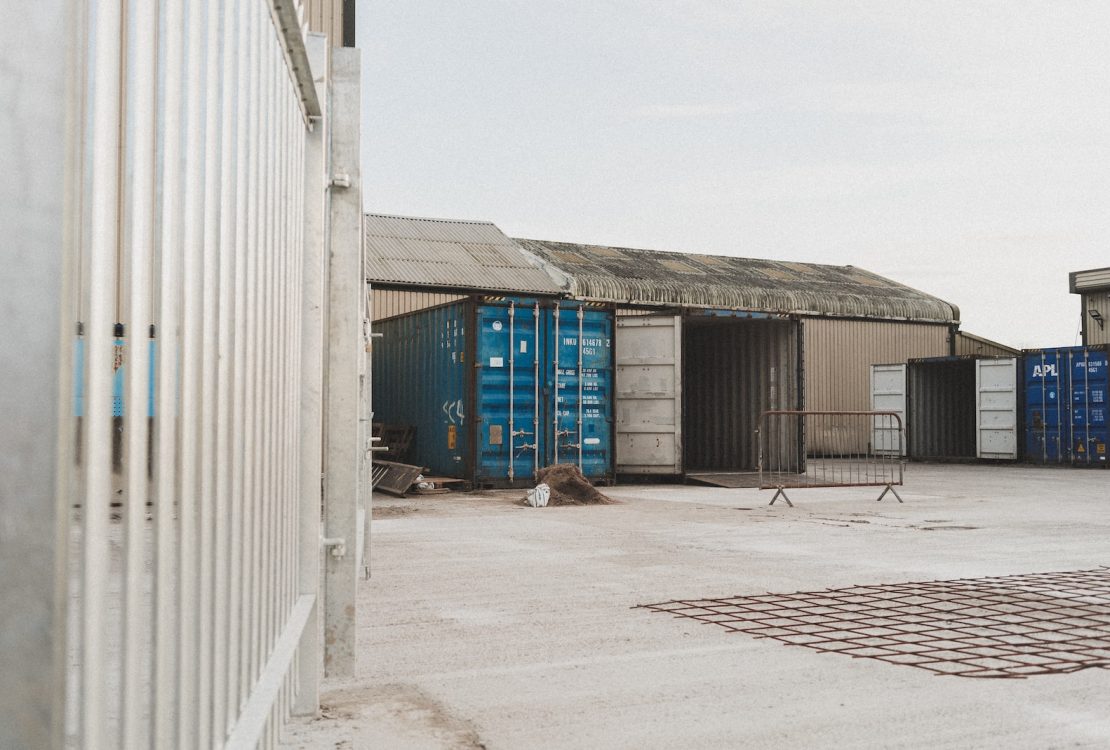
[(189, 537), (788, 460)]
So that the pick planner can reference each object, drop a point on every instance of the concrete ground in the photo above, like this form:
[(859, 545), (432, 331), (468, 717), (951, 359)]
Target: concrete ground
[(487, 624)]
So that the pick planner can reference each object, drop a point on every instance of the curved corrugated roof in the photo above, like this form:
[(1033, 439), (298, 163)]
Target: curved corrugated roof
[(655, 277), (442, 253)]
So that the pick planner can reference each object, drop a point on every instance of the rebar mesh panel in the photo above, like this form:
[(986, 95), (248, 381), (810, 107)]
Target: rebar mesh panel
[(1004, 626)]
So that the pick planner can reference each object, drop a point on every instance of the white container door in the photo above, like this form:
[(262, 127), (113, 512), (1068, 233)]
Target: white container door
[(996, 408), (649, 394), (888, 393)]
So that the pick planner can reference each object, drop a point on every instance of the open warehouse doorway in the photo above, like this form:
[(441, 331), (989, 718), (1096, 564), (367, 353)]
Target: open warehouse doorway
[(690, 389)]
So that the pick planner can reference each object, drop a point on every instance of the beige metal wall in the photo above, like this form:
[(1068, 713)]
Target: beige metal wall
[(1099, 301), (389, 303), (839, 355), (325, 17), (973, 345), (838, 359)]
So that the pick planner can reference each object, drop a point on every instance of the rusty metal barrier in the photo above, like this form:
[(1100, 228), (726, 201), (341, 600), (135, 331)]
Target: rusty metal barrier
[(799, 449)]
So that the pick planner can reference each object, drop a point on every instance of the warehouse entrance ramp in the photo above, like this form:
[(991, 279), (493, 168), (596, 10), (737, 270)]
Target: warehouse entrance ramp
[(734, 480)]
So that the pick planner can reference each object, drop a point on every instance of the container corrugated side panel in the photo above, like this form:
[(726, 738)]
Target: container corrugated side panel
[(509, 348), (1089, 382), (1065, 411), (420, 379), (592, 404), (1043, 388)]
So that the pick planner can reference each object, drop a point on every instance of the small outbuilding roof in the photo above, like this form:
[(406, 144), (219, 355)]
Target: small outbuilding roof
[(654, 277), (449, 254), (1085, 281)]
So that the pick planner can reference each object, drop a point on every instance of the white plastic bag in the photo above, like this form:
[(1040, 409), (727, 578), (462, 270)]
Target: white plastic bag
[(538, 497)]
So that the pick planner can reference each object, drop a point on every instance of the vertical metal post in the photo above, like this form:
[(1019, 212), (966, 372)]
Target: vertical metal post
[(230, 166), (345, 282), (312, 179), (1086, 404), (36, 396), (191, 352), (555, 386), (137, 610), (581, 377), (536, 390), (249, 666), (104, 238), (244, 155), (1059, 410), (1044, 414), (209, 364), (167, 327), (512, 385)]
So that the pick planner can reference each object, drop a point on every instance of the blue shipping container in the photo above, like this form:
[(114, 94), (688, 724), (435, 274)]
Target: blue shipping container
[(1066, 405), (498, 389)]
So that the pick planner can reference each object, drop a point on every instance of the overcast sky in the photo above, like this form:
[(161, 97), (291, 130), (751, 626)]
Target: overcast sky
[(962, 148)]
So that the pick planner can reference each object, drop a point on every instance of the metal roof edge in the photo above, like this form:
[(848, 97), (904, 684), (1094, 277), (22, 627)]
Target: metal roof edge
[(483, 222), (992, 342), (559, 277), (1074, 279), (402, 286), (603, 285), (812, 314)]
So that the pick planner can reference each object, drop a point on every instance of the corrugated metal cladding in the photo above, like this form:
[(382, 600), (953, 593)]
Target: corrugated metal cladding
[(497, 390), (1093, 333), (733, 370), (389, 303), (941, 409), (326, 17), (1094, 288), (838, 359), (968, 344), (653, 277), (454, 255), (1067, 393), (839, 355)]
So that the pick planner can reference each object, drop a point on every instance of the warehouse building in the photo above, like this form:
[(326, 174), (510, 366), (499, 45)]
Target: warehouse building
[(1093, 288), (702, 344)]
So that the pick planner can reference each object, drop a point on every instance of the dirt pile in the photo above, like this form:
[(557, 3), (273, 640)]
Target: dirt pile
[(569, 487)]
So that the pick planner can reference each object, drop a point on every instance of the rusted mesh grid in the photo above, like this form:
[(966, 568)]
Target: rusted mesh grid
[(1004, 626)]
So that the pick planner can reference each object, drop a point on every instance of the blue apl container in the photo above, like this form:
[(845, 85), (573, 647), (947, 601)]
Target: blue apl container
[(1066, 405), (496, 389)]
